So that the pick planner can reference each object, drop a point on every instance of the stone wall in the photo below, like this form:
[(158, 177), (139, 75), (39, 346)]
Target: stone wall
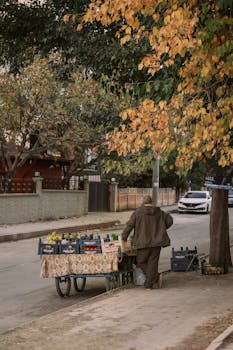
[(42, 205), (55, 204)]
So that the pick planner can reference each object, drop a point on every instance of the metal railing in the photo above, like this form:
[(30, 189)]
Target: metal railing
[(28, 185), (17, 186), (62, 184)]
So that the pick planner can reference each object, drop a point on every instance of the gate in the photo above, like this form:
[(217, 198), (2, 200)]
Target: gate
[(98, 196)]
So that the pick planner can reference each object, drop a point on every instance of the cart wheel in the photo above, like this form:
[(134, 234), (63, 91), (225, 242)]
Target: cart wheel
[(123, 279), (112, 282), (130, 277), (79, 283), (63, 285)]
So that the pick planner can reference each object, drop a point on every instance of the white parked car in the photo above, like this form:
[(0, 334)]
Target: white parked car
[(195, 202), (230, 198)]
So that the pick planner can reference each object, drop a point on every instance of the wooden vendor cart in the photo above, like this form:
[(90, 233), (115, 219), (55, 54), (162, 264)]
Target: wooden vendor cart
[(113, 262)]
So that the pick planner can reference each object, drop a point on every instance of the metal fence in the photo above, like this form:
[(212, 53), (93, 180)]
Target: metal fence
[(17, 186), (28, 185), (62, 184)]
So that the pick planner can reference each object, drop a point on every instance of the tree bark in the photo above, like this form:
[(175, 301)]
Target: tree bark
[(220, 255)]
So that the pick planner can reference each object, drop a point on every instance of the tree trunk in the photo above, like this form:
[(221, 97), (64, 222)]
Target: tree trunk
[(8, 177), (220, 255)]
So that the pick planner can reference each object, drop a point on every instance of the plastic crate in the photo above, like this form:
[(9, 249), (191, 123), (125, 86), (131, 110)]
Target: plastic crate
[(184, 259), (71, 247), (183, 252), (90, 246), (48, 248), (180, 264)]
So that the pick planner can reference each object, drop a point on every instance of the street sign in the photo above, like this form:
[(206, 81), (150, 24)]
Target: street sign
[(218, 182), (219, 187)]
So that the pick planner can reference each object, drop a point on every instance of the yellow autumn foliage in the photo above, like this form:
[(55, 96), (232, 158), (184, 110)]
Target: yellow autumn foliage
[(198, 120)]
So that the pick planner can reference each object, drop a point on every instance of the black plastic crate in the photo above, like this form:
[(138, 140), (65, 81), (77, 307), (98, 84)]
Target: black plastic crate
[(48, 248), (83, 242), (71, 247), (183, 252), (180, 264), (184, 259), (90, 249), (90, 246)]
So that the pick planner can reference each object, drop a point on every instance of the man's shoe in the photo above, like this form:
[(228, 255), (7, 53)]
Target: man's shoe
[(157, 284), (160, 281)]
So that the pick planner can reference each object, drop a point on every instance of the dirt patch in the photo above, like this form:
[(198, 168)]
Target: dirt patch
[(205, 334), (226, 342)]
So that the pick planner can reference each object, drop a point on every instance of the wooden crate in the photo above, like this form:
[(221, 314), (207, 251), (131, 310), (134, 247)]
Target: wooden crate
[(112, 246)]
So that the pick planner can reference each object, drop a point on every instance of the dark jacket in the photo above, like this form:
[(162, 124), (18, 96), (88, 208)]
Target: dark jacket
[(150, 226)]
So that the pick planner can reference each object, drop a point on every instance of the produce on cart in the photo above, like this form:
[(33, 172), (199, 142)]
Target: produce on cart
[(75, 256)]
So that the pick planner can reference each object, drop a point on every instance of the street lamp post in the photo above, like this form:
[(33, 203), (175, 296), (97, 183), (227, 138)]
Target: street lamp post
[(155, 182)]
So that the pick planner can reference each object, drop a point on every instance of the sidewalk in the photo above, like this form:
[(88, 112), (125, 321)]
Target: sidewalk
[(191, 311), (91, 221), (186, 314)]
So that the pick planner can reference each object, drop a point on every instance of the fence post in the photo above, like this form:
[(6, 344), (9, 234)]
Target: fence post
[(87, 188), (38, 183), (113, 205)]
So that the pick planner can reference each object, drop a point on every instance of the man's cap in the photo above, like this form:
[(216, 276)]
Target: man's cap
[(147, 200)]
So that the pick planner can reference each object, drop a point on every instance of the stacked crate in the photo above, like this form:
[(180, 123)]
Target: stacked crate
[(85, 244), (89, 245), (184, 259), (48, 248), (111, 245), (71, 247)]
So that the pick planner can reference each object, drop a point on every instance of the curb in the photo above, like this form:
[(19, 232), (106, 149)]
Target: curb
[(218, 342), (27, 235), (114, 225)]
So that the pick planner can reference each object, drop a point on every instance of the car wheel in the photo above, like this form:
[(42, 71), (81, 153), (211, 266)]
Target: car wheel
[(207, 210)]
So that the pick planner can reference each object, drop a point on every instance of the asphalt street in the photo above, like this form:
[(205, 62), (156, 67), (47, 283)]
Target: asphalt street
[(25, 296)]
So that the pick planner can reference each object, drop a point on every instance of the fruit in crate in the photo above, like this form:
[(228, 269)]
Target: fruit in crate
[(70, 236), (90, 248), (53, 237), (48, 248), (70, 247)]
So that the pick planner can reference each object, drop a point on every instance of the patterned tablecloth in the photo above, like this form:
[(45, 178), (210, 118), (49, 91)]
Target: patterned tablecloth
[(56, 265)]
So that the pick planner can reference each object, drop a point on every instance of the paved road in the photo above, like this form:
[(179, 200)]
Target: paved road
[(24, 296)]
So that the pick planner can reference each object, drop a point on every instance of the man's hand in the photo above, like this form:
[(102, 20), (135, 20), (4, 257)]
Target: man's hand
[(123, 239)]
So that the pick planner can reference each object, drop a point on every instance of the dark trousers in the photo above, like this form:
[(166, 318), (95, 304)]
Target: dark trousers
[(148, 261)]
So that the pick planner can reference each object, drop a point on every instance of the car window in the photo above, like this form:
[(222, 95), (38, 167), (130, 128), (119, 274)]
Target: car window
[(195, 195), (230, 193)]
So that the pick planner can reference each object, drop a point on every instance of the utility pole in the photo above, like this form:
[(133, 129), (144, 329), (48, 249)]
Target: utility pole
[(155, 183)]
